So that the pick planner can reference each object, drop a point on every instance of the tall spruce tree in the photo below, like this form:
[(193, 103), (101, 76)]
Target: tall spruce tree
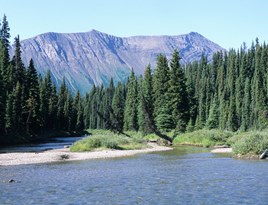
[(4, 48), (33, 99), (160, 83), (18, 64), (146, 103), (177, 94), (118, 108), (131, 104), (62, 98)]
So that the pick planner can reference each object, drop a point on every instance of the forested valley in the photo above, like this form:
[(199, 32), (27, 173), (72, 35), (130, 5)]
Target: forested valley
[(230, 92)]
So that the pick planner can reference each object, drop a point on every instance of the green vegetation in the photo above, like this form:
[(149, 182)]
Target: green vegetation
[(253, 142), (30, 106), (210, 99), (243, 143), (206, 138), (103, 139)]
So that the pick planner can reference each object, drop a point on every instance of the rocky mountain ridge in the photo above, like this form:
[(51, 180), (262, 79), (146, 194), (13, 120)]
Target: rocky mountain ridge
[(94, 57)]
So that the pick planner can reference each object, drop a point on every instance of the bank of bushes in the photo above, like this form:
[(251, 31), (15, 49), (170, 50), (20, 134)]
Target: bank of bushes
[(243, 143), (253, 142), (205, 138), (103, 139)]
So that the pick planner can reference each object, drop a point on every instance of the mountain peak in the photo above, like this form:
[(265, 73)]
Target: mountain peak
[(95, 57)]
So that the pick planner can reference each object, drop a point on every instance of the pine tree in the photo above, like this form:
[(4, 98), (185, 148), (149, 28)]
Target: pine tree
[(131, 104), (164, 119), (79, 126), (141, 121), (4, 32), (9, 120), (246, 107), (146, 107), (33, 99), (68, 112), (202, 103), (62, 97), (52, 109), (45, 96), (213, 118), (118, 107), (17, 109), (4, 48), (177, 94), (18, 64), (108, 102), (160, 90)]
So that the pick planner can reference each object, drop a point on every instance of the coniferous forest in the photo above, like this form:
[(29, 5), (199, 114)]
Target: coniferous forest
[(230, 92)]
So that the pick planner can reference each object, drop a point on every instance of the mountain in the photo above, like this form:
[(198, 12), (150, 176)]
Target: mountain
[(94, 57)]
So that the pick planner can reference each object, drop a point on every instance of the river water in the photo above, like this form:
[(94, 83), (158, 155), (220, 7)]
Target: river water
[(185, 175)]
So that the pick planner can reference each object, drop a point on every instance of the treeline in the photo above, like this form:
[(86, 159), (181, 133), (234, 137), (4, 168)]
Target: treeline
[(228, 93), (29, 104), (231, 91), (156, 101)]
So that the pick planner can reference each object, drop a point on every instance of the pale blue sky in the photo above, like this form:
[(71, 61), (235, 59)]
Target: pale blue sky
[(226, 22)]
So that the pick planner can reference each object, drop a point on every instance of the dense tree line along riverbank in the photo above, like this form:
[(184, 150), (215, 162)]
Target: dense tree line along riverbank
[(229, 93)]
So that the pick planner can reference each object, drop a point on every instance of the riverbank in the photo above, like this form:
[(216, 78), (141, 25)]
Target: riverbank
[(59, 155), (222, 150)]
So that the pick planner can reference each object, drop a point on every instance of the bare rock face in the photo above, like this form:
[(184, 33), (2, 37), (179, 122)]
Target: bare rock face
[(94, 57)]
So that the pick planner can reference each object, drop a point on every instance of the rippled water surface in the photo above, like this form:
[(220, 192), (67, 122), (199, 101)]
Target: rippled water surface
[(182, 176)]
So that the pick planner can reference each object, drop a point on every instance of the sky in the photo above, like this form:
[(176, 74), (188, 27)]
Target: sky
[(228, 23)]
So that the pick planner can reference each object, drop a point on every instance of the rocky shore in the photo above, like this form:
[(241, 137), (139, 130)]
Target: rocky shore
[(58, 155)]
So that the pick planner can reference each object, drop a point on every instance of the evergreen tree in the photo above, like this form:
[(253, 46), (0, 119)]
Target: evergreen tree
[(213, 118), (62, 98), (4, 32), (52, 109), (9, 120), (246, 107), (32, 102), (17, 109), (68, 113), (118, 108), (177, 94), (164, 119), (18, 64), (79, 126), (141, 121), (160, 83), (131, 104), (4, 48), (145, 96)]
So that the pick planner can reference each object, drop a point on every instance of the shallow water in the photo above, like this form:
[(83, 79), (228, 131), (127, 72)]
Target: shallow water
[(182, 176), (53, 143)]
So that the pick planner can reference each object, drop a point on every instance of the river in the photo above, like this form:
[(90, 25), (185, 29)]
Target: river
[(185, 175)]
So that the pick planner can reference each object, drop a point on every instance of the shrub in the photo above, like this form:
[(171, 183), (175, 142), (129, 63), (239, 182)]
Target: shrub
[(206, 138), (253, 142), (104, 139)]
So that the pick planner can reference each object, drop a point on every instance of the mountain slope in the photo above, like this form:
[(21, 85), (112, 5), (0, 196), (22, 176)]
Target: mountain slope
[(94, 57)]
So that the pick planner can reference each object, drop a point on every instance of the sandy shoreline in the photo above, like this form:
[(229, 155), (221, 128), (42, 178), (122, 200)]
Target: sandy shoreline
[(58, 155), (222, 150)]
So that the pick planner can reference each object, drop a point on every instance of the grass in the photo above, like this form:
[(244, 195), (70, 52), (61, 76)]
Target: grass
[(252, 142), (243, 143), (103, 139), (205, 138)]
